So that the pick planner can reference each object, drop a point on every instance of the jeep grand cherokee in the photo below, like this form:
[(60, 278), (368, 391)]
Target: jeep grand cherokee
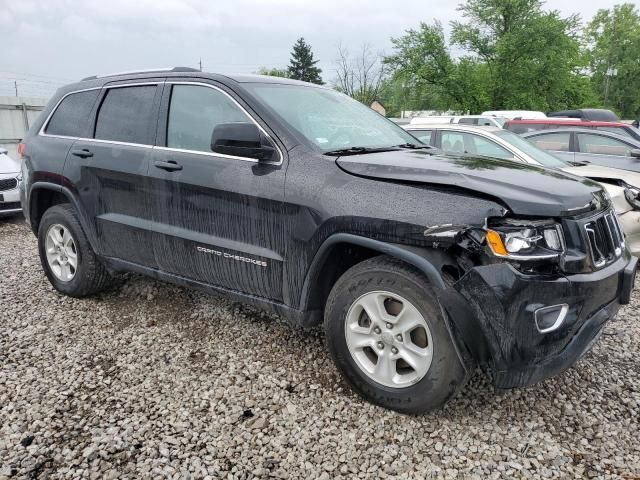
[(300, 200)]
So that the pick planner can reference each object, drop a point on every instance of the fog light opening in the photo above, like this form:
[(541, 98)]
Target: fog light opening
[(549, 319)]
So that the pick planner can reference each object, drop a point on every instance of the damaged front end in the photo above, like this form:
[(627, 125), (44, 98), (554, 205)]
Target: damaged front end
[(527, 297)]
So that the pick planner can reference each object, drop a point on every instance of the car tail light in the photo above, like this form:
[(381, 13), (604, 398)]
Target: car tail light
[(21, 149)]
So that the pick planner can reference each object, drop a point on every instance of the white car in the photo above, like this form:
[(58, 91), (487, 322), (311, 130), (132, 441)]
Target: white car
[(512, 114), (482, 120), (622, 185), (9, 181)]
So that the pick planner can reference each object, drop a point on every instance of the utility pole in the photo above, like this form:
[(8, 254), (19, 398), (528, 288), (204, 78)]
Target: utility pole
[(15, 85), (200, 63)]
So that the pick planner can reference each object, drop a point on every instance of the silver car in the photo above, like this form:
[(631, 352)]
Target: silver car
[(9, 181), (622, 185), (588, 145)]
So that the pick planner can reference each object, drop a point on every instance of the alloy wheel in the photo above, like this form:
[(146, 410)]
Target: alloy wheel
[(389, 339), (62, 254)]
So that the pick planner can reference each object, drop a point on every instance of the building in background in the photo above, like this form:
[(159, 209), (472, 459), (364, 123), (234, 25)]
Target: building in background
[(17, 114), (378, 107)]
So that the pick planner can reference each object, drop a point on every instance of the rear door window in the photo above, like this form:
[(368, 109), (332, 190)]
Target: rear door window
[(452, 142), (601, 145), (126, 115), (558, 142), (71, 117)]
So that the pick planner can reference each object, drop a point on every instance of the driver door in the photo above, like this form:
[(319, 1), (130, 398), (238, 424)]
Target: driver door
[(217, 217)]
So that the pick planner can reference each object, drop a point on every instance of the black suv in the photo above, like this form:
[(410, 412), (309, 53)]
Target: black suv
[(298, 199)]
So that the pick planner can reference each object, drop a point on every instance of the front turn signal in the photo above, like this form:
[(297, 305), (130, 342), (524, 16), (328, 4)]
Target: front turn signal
[(494, 240)]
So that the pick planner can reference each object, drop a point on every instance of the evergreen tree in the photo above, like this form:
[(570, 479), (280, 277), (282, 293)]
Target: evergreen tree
[(302, 65)]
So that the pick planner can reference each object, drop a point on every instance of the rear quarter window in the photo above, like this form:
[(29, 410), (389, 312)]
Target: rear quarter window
[(71, 117)]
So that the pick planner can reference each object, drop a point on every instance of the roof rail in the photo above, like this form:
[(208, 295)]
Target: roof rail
[(150, 70)]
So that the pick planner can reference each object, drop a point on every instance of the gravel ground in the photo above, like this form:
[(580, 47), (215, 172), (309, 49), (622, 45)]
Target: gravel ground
[(151, 380)]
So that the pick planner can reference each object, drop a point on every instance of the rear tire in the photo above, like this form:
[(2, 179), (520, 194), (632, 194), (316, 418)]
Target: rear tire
[(67, 258), (379, 313)]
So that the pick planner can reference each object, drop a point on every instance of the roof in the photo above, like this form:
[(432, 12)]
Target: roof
[(191, 72), (453, 126), (566, 121)]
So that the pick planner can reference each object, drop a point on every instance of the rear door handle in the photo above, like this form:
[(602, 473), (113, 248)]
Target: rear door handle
[(169, 166), (84, 153)]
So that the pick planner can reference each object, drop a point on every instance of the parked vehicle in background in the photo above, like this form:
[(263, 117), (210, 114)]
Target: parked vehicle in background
[(598, 114), (521, 126), (623, 186), (10, 178), (593, 146), (485, 120), (301, 200), (511, 114)]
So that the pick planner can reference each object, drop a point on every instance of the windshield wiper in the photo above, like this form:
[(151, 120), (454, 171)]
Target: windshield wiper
[(358, 150), (414, 146)]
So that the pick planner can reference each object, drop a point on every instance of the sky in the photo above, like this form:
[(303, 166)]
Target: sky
[(47, 43)]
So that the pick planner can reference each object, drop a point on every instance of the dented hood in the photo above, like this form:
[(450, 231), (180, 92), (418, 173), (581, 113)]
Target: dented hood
[(524, 189)]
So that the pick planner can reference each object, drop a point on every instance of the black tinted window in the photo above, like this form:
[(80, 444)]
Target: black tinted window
[(71, 117), (468, 121), (193, 114), (125, 115)]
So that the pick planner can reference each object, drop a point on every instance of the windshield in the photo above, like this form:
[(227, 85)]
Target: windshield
[(329, 119), (544, 158)]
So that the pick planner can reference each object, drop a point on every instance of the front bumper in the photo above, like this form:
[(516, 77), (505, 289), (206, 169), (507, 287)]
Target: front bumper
[(504, 302), (10, 202)]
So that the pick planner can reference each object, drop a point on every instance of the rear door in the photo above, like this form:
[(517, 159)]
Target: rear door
[(218, 218), (109, 170)]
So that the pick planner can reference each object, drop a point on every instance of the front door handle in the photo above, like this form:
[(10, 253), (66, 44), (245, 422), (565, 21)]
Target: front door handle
[(169, 166), (83, 153)]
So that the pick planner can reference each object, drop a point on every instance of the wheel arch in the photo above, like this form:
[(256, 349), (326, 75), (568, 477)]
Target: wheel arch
[(322, 273), (44, 195)]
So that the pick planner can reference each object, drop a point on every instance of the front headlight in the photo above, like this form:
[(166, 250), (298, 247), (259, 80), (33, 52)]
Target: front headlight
[(632, 194), (525, 240)]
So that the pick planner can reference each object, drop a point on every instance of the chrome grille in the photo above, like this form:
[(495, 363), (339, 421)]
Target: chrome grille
[(8, 184), (605, 238)]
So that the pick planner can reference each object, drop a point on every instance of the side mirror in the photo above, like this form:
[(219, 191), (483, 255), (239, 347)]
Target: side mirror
[(635, 153), (241, 140)]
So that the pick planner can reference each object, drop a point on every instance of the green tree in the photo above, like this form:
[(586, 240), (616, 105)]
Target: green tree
[(514, 55), (613, 46), (302, 65), (273, 72)]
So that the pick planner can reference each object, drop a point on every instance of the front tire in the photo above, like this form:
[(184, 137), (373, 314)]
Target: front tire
[(67, 258), (386, 333)]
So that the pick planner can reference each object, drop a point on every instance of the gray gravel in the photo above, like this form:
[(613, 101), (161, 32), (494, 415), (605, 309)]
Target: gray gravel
[(151, 380)]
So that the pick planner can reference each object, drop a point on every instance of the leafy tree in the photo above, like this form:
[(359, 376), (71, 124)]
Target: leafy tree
[(613, 46), (514, 55), (399, 94), (422, 57), (273, 72), (302, 65)]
